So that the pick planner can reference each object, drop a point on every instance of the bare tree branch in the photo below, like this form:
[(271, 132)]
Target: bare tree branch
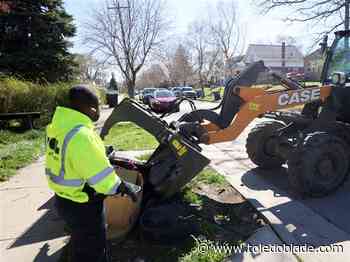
[(90, 69), (205, 53), (227, 32), (126, 32), (328, 13)]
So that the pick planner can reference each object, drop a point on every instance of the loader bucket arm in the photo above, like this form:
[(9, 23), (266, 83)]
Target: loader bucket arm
[(263, 102), (242, 104), (231, 101), (131, 111)]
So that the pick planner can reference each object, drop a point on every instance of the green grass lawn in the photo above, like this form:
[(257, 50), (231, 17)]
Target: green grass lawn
[(204, 251), (128, 136), (18, 150), (208, 93), (208, 177)]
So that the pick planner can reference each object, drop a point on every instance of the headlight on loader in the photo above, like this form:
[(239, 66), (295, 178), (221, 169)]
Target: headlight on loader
[(338, 78)]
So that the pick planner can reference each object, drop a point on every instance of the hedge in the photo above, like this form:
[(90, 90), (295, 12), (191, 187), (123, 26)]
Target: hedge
[(22, 96)]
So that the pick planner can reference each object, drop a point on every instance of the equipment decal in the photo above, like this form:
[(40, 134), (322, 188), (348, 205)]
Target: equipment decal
[(299, 97), (180, 148), (254, 107)]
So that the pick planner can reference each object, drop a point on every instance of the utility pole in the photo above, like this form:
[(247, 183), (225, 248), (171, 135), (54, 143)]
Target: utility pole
[(122, 7), (127, 65), (347, 14), (284, 71)]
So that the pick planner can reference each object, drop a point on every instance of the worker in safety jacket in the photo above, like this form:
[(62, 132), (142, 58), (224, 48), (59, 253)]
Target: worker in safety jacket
[(79, 172)]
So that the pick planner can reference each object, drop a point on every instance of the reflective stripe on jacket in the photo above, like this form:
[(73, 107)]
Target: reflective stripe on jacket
[(75, 155)]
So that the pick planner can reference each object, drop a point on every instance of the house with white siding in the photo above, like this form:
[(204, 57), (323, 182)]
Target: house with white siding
[(293, 60)]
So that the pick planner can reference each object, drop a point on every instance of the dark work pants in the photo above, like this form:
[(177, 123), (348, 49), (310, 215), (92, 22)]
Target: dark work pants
[(88, 232)]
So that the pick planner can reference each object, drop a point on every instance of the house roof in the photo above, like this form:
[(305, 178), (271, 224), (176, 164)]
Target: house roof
[(257, 52), (317, 54)]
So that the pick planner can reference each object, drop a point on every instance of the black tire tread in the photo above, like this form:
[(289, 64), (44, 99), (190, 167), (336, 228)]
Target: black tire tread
[(301, 161), (254, 148)]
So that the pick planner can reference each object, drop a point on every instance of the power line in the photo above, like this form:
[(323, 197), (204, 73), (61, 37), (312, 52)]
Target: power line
[(118, 7)]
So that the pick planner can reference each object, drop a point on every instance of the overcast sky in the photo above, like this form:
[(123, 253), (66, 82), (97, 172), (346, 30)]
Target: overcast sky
[(259, 29)]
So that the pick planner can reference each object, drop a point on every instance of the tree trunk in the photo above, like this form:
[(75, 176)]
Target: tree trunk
[(201, 84), (131, 87)]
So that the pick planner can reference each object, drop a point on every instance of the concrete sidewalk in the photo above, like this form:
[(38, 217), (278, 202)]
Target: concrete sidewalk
[(295, 223), (254, 248), (30, 229)]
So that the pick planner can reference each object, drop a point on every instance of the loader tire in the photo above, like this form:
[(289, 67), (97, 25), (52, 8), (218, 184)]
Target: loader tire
[(319, 165), (310, 110), (256, 145)]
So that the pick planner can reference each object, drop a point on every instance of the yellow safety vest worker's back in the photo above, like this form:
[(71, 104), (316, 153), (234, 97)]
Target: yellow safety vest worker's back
[(75, 155)]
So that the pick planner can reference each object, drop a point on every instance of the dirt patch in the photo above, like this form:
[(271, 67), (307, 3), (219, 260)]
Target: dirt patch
[(214, 212)]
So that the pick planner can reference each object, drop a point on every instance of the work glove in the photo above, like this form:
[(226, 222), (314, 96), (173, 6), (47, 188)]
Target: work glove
[(109, 150), (129, 189)]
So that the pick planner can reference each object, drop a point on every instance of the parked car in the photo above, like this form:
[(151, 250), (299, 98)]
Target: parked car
[(296, 76), (162, 101), (147, 93), (188, 92), (138, 95), (177, 91)]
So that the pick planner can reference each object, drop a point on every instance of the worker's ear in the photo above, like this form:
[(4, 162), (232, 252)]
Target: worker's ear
[(94, 113)]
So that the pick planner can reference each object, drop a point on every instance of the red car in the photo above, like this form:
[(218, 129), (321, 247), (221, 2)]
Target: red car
[(295, 76), (162, 101)]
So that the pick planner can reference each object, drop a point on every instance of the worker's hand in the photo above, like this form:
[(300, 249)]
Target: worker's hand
[(109, 150), (129, 189)]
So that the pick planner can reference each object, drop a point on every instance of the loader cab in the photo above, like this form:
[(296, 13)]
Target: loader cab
[(336, 72), (337, 59)]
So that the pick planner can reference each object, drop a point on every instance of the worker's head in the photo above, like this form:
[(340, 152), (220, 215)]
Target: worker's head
[(82, 99)]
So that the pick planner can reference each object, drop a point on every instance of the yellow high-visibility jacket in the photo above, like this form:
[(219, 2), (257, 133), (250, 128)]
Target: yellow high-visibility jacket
[(75, 155)]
